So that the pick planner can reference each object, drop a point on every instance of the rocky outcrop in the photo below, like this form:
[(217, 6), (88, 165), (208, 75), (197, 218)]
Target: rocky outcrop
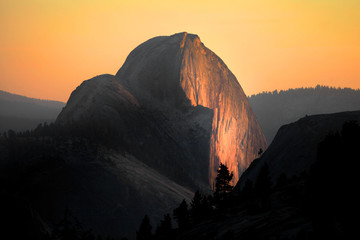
[(179, 70), (176, 89), (173, 141)]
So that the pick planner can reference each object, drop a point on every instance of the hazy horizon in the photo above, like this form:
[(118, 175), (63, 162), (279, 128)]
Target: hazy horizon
[(249, 96)]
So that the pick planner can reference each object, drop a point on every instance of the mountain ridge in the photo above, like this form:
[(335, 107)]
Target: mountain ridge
[(5, 95), (22, 113), (277, 108)]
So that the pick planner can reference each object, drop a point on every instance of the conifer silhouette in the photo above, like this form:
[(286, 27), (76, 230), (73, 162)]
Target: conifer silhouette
[(223, 182)]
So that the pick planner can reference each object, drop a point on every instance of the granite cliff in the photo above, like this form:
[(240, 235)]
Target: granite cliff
[(174, 94)]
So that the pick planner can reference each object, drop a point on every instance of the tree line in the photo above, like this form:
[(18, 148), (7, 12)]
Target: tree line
[(326, 196), (203, 207)]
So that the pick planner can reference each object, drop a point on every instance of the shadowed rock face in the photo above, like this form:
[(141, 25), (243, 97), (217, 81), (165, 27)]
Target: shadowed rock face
[(179, 70)]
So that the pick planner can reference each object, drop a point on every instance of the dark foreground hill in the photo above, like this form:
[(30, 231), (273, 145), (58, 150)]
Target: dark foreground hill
[(274, 109), (317, 202), (48, 171), (295, 146)]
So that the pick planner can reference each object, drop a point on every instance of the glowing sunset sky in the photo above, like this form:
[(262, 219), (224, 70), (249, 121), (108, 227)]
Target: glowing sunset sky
[(48, 47)]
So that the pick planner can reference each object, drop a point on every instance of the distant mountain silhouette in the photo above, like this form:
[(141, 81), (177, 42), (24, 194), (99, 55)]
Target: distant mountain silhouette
[(274, 109), (21, 113)]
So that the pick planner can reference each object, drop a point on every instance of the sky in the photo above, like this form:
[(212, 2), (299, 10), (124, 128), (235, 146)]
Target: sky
[(48, 47)]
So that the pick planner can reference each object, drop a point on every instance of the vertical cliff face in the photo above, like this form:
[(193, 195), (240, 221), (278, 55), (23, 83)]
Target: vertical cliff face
[(178, 71), (236, 135)]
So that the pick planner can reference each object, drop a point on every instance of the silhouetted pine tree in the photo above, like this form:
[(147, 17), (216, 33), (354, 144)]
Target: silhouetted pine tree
[(181, 215), (222, 184), (164, 229), (69, 228), (200, 207), (144, 232), (263, 181), (332, 184)]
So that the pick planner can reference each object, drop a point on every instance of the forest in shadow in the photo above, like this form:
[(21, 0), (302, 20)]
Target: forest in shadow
[(316, 204)]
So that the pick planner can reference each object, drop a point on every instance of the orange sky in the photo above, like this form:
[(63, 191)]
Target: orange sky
[(48, 47)]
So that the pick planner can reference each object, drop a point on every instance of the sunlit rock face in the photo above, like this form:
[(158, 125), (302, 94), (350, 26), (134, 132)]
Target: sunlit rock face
[(176, 71), (236, 135)]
